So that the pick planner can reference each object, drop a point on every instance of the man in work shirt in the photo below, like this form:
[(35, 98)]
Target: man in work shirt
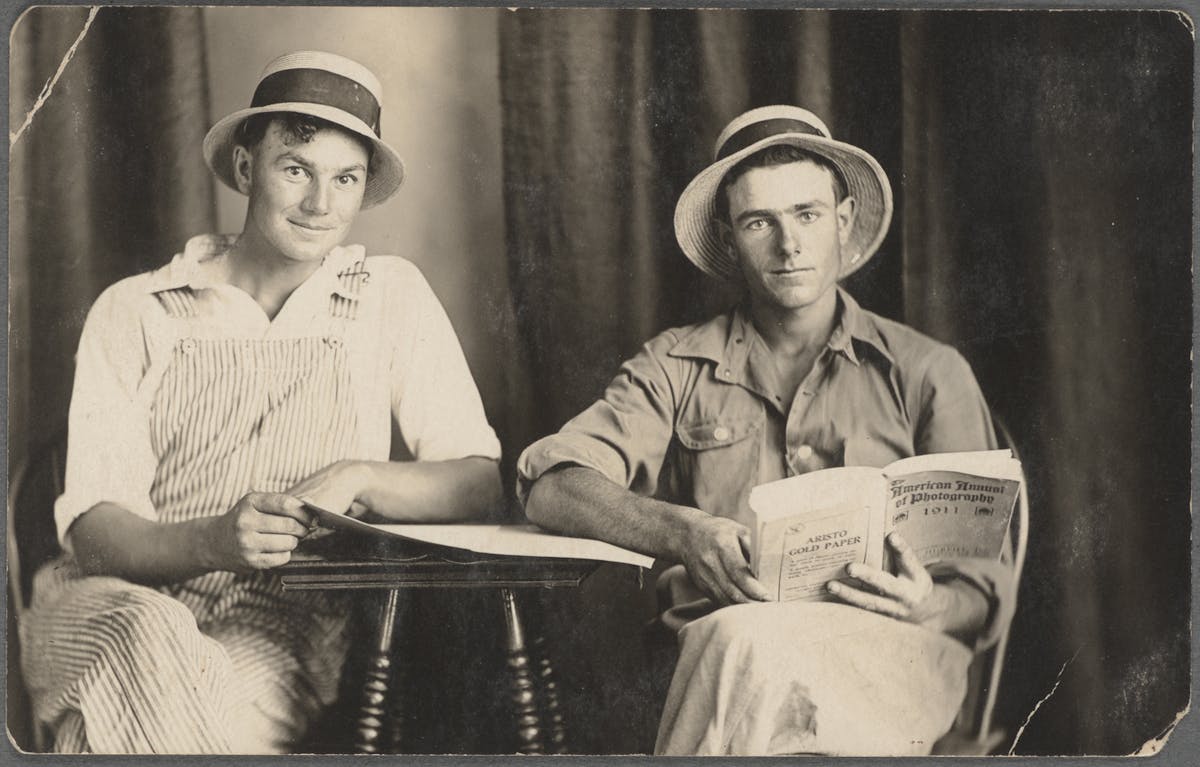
[(796, 378)]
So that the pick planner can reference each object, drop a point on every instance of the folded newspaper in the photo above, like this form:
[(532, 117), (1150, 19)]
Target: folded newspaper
[(502, 540), (947, 506)]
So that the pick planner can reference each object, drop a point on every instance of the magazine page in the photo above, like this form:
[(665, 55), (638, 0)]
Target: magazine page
[(809, 527), (505, 540), (953, 505)]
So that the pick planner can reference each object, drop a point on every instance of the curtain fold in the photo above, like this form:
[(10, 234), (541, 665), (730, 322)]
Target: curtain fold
[(1051, 245), (106, 181), (1041, 163)]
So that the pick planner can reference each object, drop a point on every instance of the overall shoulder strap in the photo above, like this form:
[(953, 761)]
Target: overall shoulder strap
[(352, 279), (179, 303)]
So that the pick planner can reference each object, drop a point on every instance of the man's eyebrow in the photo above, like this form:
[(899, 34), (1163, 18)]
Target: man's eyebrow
[(765, 212), (749, 214), (292, 157)]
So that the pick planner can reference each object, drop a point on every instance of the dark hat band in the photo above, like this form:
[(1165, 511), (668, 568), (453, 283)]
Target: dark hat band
[(318, 86), (758, 131)]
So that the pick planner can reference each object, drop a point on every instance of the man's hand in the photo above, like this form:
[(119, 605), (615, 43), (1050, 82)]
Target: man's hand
[(713, 554), (335, 488), (260, 531), (911, 595)]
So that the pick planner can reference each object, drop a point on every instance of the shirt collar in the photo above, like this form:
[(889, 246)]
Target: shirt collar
[(855, 324), (727, 339), (202, 264), (722, 340)]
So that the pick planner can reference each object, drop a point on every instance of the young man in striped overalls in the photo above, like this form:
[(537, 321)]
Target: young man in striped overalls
[(213, 395)]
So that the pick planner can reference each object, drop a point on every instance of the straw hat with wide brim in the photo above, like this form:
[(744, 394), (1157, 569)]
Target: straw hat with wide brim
[(323, 85), (757, 129)]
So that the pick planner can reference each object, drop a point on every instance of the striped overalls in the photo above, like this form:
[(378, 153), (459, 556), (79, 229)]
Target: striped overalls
[(223, 662)]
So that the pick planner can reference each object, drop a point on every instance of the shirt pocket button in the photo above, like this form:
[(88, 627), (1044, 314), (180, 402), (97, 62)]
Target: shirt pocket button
[(720, 434)]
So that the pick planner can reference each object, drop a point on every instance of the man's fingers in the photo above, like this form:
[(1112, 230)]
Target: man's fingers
[(751, 586), (710, 575), (279, 525), (884, 583), (719, 586), (718, 563), (737, 573), (743, 536), (282, 505), (906, 558), (270, 543), (725, 594), (265, 561), (747, 585), (712, 586), (873, 602)]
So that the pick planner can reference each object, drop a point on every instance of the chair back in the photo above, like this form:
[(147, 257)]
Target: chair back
[(973, 733), (33, 486)]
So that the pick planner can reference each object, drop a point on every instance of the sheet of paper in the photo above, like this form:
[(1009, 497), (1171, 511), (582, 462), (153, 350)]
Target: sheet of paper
[(505, 540)]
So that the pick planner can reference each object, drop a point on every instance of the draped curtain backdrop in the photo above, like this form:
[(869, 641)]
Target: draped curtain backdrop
[(105, 179), (1042, 166)]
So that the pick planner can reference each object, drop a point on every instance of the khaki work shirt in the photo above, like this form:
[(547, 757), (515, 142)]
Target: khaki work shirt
[(697, 417)]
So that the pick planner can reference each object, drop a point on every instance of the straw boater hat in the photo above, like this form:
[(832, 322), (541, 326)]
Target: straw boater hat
[(759, 128), (323, 85)]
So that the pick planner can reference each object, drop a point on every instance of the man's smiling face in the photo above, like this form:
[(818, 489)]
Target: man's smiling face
[(304, 195), (787, 230)]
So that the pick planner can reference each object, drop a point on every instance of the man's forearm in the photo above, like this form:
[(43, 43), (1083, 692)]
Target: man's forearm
[(110, 540), (579, 501), (432, 491)]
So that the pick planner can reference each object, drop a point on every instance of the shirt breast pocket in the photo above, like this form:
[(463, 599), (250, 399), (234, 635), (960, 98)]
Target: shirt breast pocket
[(718, 462)]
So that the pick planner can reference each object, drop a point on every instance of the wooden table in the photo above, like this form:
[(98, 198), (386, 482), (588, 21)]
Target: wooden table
[(389, 567)]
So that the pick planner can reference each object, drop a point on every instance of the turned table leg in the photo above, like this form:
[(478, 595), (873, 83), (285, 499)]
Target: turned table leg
[(522, 687), (373, 713), (554, 728)]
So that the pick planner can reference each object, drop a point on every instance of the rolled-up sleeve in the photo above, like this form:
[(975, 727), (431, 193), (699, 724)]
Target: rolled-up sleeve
[(109, 453), (625, 435), (955, 417), (434, 398)]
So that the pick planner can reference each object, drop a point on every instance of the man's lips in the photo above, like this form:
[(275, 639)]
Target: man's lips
[(310, 227), (794, 270)]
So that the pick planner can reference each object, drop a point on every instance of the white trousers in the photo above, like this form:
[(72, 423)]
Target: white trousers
[(787, 678)]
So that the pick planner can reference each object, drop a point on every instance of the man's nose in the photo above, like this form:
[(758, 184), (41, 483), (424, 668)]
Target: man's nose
[(317, 199), (789, 238)]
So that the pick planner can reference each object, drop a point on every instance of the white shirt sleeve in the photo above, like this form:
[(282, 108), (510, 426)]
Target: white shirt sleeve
[(109, 455), (434, 398)]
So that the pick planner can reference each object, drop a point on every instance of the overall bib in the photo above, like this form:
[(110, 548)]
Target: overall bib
[(223, 662)]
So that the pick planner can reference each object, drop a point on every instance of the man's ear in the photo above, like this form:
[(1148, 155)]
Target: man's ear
[(724, 233), (845, 217), (242, 162)]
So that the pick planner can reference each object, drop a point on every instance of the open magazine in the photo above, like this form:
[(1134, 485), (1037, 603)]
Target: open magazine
[(503, 540), (807, 528)]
